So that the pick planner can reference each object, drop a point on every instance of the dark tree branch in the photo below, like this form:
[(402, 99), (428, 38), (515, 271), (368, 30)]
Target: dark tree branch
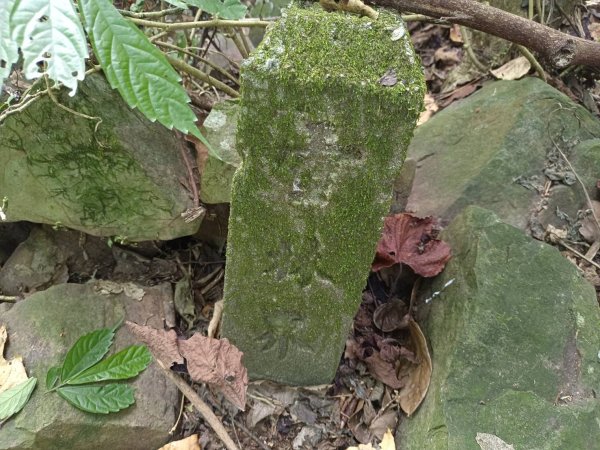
[(558, 49)]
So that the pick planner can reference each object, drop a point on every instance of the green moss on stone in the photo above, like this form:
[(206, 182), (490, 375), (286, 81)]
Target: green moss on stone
[(322, 141)]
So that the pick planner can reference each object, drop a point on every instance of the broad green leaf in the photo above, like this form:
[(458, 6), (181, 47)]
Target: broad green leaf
[(50, 31), (227, 9), (137, 69), (8, 47), (98, 399), (177, 3), (86, 352), (120, 366), (53, 376), (12, 400)]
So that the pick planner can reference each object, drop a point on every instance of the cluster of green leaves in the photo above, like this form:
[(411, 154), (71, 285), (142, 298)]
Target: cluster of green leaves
[(12, 400), (84, 365), (52, 41)]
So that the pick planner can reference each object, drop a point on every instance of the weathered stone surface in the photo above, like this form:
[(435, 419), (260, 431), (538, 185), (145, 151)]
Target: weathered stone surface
[(35, 264), (514, 343), (322, 132), (495, 149), (219, 128), (43, 327), (122, 179)]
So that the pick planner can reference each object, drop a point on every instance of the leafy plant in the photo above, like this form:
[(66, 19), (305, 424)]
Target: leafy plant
[(52, 41), (12, 400), (84, 364)]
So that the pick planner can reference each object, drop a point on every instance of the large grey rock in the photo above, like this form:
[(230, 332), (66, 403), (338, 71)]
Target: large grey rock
[(43, 327), (329, 102), (497, 148), (514, 342), (121, 179)]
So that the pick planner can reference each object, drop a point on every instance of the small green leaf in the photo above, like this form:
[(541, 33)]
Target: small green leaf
[(98, 399), (125, 364), (12, 400), (227, 9), (50, 32), (137, 69), (86, 352), (53, 376)]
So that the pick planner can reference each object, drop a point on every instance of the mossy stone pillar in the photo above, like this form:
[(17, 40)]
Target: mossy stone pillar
[(329, 103)]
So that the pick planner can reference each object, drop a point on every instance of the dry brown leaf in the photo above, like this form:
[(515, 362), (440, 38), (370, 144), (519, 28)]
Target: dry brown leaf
[(492, 442), (208, 360), (513, 70), (595, 31), (416, 377), (446, 55), (412, 241), (162, 344), (188, 443), (589, 228), (217, 362), (383, 423), (383, 371), (431, 107), (455, 34), (458, 93), (12, 373)]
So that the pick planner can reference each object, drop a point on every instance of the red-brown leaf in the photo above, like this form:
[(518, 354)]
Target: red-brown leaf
[(411, 240)]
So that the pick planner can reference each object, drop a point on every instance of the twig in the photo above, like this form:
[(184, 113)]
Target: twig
[(199, 58), (210, 417), (174, 427), (534, 62), (423, 18), (470, 52), (246, 23), (578, 253), (197, 73), (151, 14), (8, 298), (238, 42)]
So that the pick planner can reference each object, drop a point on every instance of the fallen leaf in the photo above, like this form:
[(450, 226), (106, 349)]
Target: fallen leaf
[(455, 34), (513, 70), (391, 316), (389, 78), (431, 108), (188, 443), (208, 360), (383, 370), (458, 93), (492, 442), (12, 373), (447, 55), (589, 228), (595, 31), (410, 240), (383, 423), (415, 377), (388, 443)]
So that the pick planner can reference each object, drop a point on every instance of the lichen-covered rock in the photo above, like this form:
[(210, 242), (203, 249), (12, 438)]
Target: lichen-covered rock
[(118, 177), (497, 148), (219, 128), (514, 343), (329, 103), (43, 327)]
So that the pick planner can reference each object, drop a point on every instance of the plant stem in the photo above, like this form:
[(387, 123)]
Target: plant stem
[(534, 62), (196, 73), (247, 23), (152, 14)]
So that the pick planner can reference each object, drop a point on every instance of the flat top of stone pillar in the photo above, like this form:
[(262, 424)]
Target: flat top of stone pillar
[(369, 53)]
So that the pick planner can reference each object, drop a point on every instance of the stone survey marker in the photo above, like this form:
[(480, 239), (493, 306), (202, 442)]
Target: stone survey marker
[(329, 103)]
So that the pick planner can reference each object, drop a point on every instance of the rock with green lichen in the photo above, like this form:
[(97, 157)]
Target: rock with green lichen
[(329, 103), (119, 176), (219, 129), (514, 341)]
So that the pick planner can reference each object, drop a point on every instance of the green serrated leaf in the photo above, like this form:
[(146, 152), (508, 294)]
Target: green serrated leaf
[(9, 50), (50, 32), (86, 352), (53, 376), (137, 69), (98, 399), (12, 400), (227, 9), (120, 366)]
